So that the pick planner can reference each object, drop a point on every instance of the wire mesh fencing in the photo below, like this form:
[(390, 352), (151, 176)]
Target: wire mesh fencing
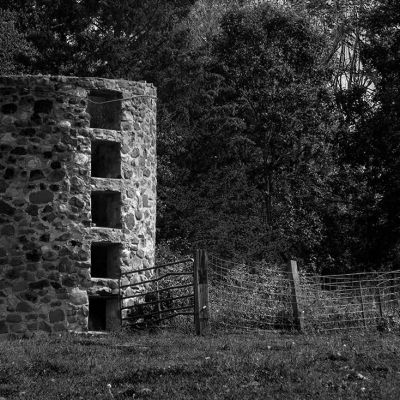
[(262, 299), (351, 301), (243, 300)]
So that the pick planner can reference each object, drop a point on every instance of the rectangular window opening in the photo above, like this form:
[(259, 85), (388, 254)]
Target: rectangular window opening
[(104, 314), (105, 260), (106, 209), (106, 159), (104, 108)]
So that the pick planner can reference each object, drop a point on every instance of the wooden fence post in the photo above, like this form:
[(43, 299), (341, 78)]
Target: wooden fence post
[(298, 314), (392, 284), (196, 266), (379, 300), (158, 294), (362, 304), (200, 281)]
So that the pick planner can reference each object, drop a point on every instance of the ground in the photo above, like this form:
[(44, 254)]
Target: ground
[(171, 365)]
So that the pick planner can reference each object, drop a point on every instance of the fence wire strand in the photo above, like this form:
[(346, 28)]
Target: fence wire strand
[(245, 298)]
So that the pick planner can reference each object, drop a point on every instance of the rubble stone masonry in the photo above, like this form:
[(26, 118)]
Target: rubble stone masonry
[(77, 199)]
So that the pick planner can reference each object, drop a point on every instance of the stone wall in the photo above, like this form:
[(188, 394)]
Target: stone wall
[(77, 199)]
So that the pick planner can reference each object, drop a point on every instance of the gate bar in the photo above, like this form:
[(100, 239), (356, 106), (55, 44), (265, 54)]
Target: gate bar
[(162, 311), (158, 279), (186, 296), (158, 266), (175, 315), (159, 291)]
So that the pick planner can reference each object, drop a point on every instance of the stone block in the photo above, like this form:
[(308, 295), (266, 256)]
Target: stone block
[(56, 315), (6, 209), (130, 221), (45, 299), (19, 286), (78, 297), (14, 318), (3, 327), (24, 307), (44, 326), (9, 108), (41, 197), (140, 253), (48, 253), (71, 319), (17, 328), (39, 284), (28, 334), (113, 284), (32, 326), (30, 295), (69, 281), (59, 327), (8, 230), (35, 175)]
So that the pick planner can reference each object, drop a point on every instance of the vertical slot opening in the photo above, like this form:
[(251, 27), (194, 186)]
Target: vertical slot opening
[(106, 159), (97, 314), (106, 209), (104, 108), (105, 260), (104, 314)]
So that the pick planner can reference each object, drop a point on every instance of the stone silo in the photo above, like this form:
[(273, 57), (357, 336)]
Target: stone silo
[(77, 199)]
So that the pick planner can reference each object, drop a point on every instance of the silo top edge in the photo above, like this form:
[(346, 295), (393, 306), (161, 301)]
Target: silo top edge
[(85, 82)]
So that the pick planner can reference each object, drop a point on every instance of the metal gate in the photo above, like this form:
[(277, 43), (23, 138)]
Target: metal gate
[(150, 297)]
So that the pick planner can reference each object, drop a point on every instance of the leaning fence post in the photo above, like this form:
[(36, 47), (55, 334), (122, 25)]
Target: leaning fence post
[(379, 300), (200, 281), (196, 291), (294, 280), (362, 304), (158, 295), (395, 302)]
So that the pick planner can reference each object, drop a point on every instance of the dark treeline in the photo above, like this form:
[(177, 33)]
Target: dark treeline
[(261, 154)]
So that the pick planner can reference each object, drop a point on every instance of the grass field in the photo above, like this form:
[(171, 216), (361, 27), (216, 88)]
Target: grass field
[(169, 365)]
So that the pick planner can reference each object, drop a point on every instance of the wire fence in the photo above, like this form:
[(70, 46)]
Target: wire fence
[(246, 298)]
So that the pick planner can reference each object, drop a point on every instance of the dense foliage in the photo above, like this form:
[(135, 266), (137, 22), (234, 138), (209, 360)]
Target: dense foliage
[(374, 146), (102, 38), (256, 161), (15, 50), (261, 152)]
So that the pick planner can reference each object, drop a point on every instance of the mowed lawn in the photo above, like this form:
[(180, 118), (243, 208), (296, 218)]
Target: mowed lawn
[(168, 365)]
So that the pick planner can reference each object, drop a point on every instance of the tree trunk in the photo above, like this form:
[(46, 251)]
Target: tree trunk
[(268, 200), (268, 183)]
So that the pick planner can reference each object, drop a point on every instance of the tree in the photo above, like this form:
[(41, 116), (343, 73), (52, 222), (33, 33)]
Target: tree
[(102, 38), (374, 146), (15, 50), (262, 148), (340, 21)]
